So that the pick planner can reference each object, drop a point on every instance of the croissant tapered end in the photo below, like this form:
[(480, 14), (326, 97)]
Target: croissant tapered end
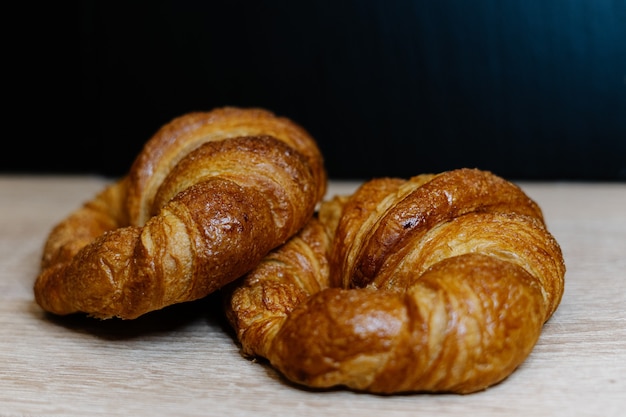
[(289, 276), (439, 283), (208, 197)]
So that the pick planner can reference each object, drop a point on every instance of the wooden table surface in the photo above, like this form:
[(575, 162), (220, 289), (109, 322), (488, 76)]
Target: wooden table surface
[(182, 360)]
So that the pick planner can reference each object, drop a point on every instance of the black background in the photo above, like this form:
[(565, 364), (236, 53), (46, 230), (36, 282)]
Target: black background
[(527, 89)]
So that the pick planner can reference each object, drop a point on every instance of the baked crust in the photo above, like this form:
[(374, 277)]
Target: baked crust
[(439, 283), (207, 198)]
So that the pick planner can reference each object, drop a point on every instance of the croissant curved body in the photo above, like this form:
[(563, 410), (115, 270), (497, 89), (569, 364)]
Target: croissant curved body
[(207, 198), (440, 283)]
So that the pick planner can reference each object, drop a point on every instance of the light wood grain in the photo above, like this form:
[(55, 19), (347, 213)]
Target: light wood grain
[(183, 361)]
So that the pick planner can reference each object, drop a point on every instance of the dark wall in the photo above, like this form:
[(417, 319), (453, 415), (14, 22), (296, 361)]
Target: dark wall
[(527, 89)]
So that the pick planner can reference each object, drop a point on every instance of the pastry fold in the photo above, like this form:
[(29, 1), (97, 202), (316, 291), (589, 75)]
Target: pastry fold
[(207, 198), (438, 283)]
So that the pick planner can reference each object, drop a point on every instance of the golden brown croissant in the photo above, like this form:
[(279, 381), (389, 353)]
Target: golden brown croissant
[(440, 283), (207, 198)]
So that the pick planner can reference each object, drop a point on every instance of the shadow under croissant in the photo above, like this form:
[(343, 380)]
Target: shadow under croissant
[(275, 375), (166, 320)]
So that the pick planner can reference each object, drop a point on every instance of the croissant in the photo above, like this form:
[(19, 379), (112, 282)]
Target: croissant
[(438, 283), (209, 195)]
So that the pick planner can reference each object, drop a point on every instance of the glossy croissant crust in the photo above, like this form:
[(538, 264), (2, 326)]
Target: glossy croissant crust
[(210, 194), (439, 283)]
